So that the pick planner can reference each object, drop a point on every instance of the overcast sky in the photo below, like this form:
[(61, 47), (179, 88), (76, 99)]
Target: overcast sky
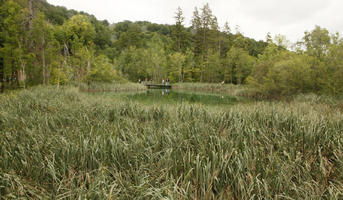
[(254, 17)]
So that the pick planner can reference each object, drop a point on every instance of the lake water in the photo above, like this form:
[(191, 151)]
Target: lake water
[(175, 96)]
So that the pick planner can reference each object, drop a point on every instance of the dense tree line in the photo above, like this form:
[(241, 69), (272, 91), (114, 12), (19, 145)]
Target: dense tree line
[(45, 44), (315, 66)]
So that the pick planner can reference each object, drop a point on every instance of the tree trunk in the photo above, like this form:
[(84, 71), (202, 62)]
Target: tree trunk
[(219, 46), (31, 14), (14, 79), (21, 74), (43, 61), (204, 53), (58, 75), (2, 81), (182, 74), (88, 63), (201, 67), (64, 64)]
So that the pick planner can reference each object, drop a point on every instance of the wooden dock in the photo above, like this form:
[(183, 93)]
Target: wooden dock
[(158, 86)]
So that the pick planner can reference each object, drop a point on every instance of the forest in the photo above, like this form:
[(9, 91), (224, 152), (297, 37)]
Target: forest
[(51, 45)]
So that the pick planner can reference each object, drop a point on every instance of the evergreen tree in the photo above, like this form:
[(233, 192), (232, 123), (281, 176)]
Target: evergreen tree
[(179, 32)]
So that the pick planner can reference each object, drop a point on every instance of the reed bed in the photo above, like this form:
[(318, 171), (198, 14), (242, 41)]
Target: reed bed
[(231, 89), (65, 144), (111, 87)]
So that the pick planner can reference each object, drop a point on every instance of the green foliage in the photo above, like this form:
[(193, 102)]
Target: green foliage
[(317, 42), (177, 68), (133, 63), (212, 69), (102, 71), (331, 75), (279, 72), (59, 76), (79, 29), (179, 33), (130, 38), (58, 46), (13, 52), (237, 65), (157, 59), (289, 77)]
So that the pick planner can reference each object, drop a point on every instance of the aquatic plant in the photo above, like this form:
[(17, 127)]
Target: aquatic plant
[(66, 144)]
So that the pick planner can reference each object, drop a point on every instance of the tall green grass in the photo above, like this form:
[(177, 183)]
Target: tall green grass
[(64, 144)]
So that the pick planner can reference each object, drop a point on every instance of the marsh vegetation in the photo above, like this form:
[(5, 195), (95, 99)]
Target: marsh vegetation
[(67, 144)]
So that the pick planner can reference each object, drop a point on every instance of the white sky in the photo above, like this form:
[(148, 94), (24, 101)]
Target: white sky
[(254, 17)]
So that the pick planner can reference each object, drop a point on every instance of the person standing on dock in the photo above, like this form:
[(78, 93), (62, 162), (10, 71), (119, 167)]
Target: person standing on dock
[(162, 81)]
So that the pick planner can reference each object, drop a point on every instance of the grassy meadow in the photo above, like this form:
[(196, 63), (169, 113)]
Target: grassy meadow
[(68, 144)]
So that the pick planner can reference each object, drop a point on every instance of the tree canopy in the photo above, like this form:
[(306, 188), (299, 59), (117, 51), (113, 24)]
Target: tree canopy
[(46, 44)]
